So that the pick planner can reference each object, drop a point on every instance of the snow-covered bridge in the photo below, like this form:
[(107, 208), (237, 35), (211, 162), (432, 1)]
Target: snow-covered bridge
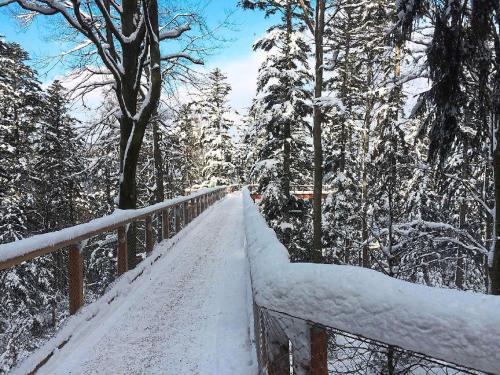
[(219, 296)]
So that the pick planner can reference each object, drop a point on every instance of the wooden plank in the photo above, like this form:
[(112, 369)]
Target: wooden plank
[(75, 275), (165, 220), (149, 234), (122, 251), (319, 352)]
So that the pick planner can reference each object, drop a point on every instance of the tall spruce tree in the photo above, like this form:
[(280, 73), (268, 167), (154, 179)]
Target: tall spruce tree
[(58, 167), (214, 139), (20, 109), (281, 112)]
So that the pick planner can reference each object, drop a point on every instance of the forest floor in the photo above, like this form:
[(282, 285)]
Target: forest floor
[(190, 315)]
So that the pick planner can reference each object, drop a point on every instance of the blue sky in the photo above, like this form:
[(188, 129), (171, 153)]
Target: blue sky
[(235, 56)]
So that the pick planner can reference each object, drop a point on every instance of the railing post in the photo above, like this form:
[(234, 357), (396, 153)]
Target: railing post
[(122, 251), (149, 234), (186, 213), (165, 220), (75, 279), (319, 351), (177, 218)]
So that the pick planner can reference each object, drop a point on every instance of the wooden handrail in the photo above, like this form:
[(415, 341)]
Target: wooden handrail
[(42, 244), (183, 208), (305, 187)]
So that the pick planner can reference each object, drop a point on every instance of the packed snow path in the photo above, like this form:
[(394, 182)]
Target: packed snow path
[(189, 315)]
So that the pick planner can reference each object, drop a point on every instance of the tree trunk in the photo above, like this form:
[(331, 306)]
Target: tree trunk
[(317, 253), (482, 260), (133, 124), (494, 261), (459, 273), (365, 255), (494, 258), (128, 192), (158, 159), (129, 147), (287, 133)]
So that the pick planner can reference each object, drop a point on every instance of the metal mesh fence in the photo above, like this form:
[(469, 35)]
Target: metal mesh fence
[(290, 345)]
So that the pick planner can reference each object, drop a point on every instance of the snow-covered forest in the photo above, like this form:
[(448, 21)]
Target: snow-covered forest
[(388, 109)]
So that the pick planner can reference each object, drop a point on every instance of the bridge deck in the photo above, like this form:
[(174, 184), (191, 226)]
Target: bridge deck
[(187, 316)]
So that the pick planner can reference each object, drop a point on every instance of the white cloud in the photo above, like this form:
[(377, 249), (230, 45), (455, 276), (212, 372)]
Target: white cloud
[(241, 72)]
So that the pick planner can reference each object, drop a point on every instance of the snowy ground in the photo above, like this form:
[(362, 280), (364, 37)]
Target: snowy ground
[(190, 314)]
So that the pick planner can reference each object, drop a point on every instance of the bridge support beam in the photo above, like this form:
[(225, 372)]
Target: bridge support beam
[(75, 279)]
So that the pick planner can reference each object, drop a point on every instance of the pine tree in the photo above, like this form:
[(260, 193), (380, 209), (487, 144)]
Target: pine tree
[(187, 125), (58, 166), (20, 107), (280, 114), (27, 294), (215, 141)]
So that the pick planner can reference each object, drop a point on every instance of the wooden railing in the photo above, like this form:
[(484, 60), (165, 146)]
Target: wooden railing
[(305, 192), (182, 210), (293, 188), (321, 319)]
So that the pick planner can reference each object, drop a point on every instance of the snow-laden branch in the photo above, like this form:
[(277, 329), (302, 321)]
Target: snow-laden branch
[(175, 33), (181, 55), (31, 6)]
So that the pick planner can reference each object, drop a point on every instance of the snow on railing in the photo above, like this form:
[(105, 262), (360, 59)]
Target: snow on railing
[(181, 209), (13, 253), (454, 326)]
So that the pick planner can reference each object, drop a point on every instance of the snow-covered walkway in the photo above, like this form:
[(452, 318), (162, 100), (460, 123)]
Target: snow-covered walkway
[(189, 315)]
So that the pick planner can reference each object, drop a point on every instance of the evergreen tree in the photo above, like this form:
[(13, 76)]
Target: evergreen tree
[(281, 113), (187, 125), (27, 290), (214, 139), (20, 107), (59, 169)]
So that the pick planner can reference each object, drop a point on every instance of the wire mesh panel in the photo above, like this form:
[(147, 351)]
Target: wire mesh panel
[(290, 345)]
